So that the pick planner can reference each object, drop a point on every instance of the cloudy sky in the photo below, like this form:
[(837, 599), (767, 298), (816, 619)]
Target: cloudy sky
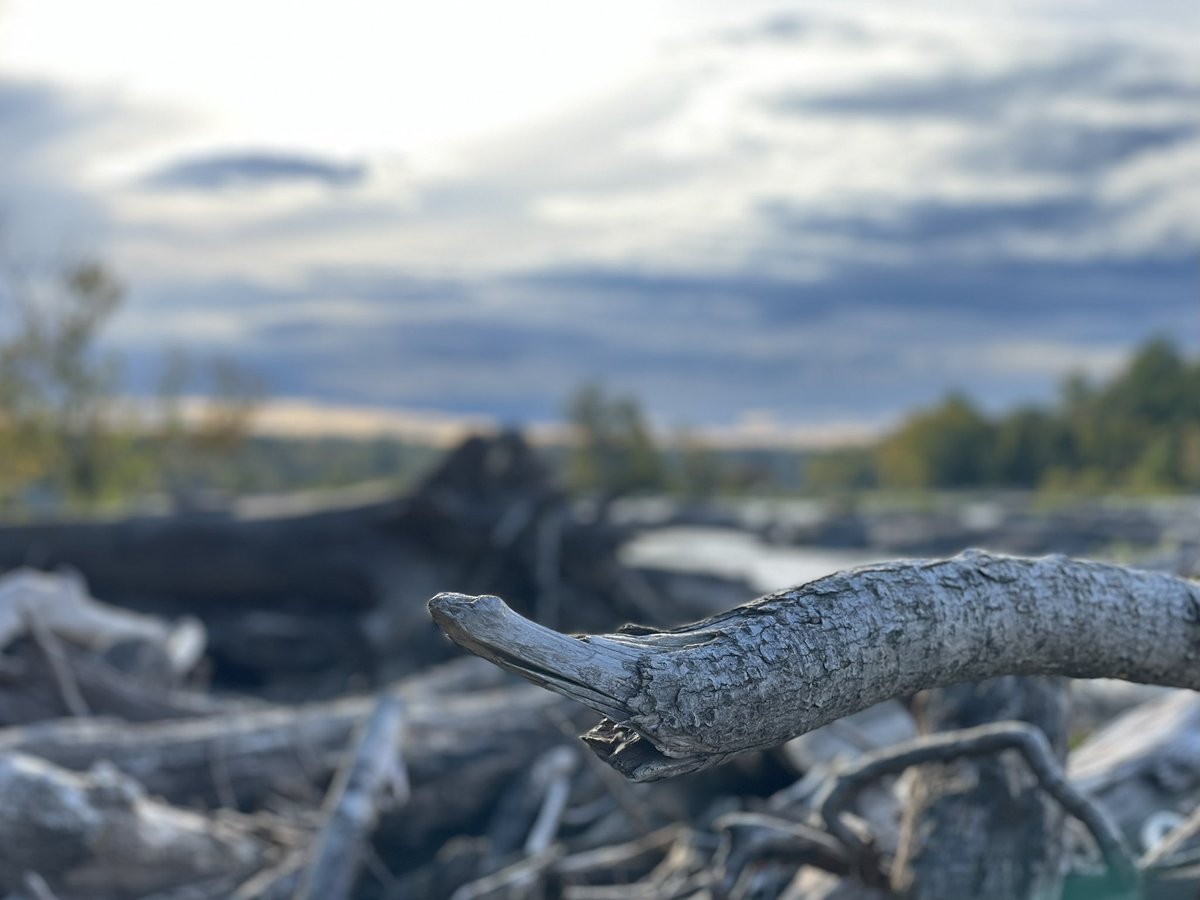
[(803, 216)]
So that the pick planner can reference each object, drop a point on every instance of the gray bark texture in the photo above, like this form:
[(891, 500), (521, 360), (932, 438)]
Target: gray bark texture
[(982, 827), (689, 698)]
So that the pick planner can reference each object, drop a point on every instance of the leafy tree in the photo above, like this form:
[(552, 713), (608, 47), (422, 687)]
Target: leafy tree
[(65, 428), (57, 390), (846, 468), (947, 446), (614, 451), (1028, 443)]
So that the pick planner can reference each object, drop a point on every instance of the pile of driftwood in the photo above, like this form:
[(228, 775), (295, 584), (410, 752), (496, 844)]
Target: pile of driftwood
[(301, 600), (119, 779), (262, 707)]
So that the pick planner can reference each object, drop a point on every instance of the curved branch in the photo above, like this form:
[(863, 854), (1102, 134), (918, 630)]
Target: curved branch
[(755, 676)]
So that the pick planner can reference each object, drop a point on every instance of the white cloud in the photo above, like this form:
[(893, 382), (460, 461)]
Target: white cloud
[(809, 169)]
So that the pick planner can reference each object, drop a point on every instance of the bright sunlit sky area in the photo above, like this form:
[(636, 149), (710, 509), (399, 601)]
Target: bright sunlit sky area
[(800, 218)]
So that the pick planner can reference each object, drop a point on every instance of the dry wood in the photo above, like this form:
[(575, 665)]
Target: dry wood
[(100, 836), (1180, 846), (60, 667), (754, 837), (1143, 763), (619, 863), (30, 691), (62, 605), (533, 804), (689, 698), (817, 884), (459, 751), (1172, 868), (983, 826), (372, 778), (984, 740)]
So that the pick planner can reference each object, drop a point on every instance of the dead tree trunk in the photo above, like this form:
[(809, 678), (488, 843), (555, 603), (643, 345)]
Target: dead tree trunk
[(689, 698), (982, 827)]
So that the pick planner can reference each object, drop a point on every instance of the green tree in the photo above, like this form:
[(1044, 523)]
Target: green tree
[(57, 389), (1028, 443), (65, 427), (614, 451), (947, 446), (194, 442), (842, 468)]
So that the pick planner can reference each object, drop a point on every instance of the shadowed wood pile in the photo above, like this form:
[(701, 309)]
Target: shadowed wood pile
[(353, 761)]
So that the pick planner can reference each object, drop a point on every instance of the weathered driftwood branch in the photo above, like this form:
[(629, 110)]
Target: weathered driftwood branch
[(458, 750), (681, 700), (372, 777), (62, 605)]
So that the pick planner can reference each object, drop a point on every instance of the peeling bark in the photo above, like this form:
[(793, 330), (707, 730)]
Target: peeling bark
[(686, 699)]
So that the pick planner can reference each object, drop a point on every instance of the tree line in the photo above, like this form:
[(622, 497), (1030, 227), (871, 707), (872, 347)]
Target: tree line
[(70, 439), (1138, 431)]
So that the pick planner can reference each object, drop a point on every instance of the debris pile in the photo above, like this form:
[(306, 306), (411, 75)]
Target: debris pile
[(261, 708)]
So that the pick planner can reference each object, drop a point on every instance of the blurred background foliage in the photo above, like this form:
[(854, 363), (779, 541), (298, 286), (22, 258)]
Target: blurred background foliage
[(71, 441), (1138, 432), (69, 437)]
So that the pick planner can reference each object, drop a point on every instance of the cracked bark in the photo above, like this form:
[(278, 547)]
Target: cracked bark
[(689, 698)]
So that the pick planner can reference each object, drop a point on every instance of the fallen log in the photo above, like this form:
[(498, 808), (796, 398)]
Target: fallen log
[(300, 598), (686, 699), (99, 836), (459, 751), (60, 603), (30, 690)]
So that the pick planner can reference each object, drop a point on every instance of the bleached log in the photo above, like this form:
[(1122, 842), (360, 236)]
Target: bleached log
[(686, 699), (459, 751), (100, 836), (62, 604), (372, 779), (1144, 763), (616, 863), (817, 884)]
